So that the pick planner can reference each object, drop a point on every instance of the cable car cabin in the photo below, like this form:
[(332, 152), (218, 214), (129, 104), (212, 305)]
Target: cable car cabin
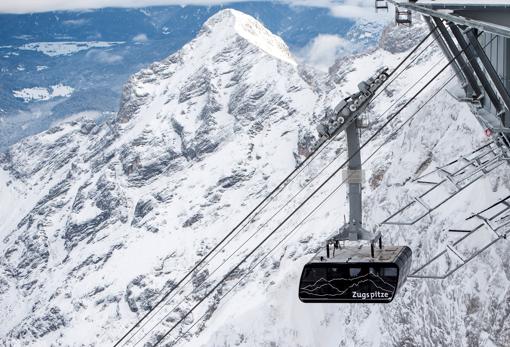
[(352, 275)]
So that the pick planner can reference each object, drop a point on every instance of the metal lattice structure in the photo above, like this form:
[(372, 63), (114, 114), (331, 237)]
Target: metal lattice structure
[(477, 34), (482, 30), (489, 226), (456, 175)]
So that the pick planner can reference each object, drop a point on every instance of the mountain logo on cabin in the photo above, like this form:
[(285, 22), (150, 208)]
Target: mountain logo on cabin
[(374, 281)]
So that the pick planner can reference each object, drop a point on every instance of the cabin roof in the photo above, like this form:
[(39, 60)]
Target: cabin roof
[(359, 254)]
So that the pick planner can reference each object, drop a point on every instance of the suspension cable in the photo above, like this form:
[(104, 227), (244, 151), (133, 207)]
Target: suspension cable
[(318, 206), (271, 218), (306, 200), (433, 31), (253, 234), (405, 93), (270, 197), (250, 269), (322, 202)]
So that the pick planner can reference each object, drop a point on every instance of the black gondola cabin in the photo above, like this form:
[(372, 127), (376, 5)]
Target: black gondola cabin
[(352, 275)]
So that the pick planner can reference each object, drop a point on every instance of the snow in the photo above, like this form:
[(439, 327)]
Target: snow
[(53, 49), (80, 116), (10, 54), (253, 31), (43, 93), (236, 117)]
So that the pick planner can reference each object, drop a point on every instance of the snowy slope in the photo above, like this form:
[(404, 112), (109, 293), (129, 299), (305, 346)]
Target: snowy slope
[(108, 45), (96, 220)]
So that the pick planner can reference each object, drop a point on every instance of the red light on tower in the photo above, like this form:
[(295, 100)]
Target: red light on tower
[(488, 132)]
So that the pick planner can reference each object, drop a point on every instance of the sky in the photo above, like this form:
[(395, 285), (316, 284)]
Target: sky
[(339, 8), (323, 50)]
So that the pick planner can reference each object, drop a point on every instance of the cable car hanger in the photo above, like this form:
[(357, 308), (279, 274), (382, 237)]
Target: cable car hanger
[(354, 273)]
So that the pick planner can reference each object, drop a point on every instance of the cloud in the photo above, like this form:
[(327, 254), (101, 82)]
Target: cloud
[(359, 9), (141, 38), (75, 22), (345, 8), (28, 6), (103, 56), (323, 50), (352, 9)]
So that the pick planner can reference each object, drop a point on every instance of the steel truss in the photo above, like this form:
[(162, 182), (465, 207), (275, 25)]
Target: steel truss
[(478, 76), (492, 225), (458, 174)]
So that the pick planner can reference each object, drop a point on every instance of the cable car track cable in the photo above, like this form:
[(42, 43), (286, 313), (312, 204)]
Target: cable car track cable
[(276, 213), (412, 61), (319, 205), (287, 180), (325, 144), (405, 93), (309, 197), (262, 226)]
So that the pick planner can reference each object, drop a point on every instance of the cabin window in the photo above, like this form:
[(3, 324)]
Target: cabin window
[(390, 272), (354, 271), (313, 274)]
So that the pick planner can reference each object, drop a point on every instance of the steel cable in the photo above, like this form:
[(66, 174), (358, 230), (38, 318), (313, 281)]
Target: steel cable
[(276, 213), (274, 193), (308, 198)]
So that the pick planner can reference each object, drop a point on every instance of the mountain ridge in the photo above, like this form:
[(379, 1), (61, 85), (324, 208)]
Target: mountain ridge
[(99, 220), (97, 187)]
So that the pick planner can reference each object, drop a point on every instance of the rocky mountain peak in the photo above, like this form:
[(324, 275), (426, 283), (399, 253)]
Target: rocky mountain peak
[(100, 220), (230, 44), (251, 30)]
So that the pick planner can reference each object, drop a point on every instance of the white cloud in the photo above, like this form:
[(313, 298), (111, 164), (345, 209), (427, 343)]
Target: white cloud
[(141, 38), (26, 6), (323, 50), (103, 56), (75, 22), (353, 9), (345, 8)]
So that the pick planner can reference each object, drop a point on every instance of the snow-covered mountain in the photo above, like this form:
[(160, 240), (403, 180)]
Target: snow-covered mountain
[(91, 54), (99, 220)]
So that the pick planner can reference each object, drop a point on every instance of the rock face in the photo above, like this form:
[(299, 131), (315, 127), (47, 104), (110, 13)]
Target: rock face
[(97, 221), (193, 135)]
